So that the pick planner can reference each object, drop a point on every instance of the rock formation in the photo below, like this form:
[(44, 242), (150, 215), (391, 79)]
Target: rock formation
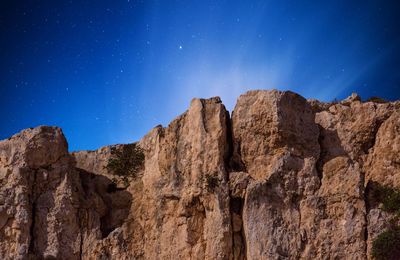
[(283, 178)]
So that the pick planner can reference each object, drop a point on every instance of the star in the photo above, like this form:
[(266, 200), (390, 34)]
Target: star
[(180, 47)]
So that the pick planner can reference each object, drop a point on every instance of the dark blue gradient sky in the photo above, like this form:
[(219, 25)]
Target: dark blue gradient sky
[(109, 71)]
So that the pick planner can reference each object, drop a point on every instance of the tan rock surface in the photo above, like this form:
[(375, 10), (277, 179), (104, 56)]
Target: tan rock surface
[(267, 125), (341, 221), (183, 217), (277, 139), (173, 213), (38, 196), (383, 163), (364, 133), (285, 178)]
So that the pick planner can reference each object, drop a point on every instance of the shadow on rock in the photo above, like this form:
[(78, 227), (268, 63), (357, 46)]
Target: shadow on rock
[(113, 205)]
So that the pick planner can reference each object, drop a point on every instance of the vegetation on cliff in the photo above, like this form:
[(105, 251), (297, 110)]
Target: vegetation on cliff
[(126, 161), (387, 244)]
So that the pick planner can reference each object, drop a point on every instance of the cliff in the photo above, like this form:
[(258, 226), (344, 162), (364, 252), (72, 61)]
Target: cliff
[(283, 178)]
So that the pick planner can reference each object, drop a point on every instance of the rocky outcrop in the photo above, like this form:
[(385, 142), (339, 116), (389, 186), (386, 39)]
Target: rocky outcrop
[(275, 136), (351, 130), (38, 196), (284, 178)]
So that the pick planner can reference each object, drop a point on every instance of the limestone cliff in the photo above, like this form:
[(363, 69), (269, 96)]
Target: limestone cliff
[(292, 179)]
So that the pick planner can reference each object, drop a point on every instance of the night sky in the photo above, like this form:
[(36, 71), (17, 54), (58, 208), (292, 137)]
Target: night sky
[(107, 72)]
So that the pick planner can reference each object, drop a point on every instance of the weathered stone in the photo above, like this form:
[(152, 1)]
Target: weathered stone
[(318, 106), (285, 178), (276, 136), (177, 212), (363, 132), (350, 130), (350, 99), (383, 162), (267, 125), (40, 199), (238, 182), (341, 224)]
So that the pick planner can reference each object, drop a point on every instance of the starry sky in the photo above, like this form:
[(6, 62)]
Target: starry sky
[(107, 72)]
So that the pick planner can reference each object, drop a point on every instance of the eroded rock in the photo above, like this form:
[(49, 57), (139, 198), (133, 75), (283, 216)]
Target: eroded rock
[(285, 178)]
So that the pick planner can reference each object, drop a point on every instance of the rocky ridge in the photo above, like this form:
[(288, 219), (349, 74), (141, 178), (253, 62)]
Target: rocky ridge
[(295, 180)]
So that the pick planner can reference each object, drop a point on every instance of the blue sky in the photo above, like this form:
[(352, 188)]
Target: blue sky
[(109, 71)]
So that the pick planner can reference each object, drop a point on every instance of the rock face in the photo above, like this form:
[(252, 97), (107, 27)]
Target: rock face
[(284, 178), (39, 196), (275, 136)]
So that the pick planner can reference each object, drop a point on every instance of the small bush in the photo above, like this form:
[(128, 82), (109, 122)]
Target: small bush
[(390, 198), (387, 245), (126, 161)]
